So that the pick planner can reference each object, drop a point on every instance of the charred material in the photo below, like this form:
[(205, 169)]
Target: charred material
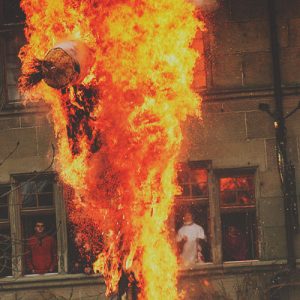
[(79, 102), (34, 75), (65, 64), (58, 70)]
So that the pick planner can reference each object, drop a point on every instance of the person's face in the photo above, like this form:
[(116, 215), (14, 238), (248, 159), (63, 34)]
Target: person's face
[(233, 232), (187, 217), (39, 227)]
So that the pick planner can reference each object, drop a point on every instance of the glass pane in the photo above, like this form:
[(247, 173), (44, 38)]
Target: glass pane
[(3, 198), (228, 198), (199, 175), (237, 190), (14, 41), (246, 198), (29, 187), (228, 183), (239, 236), (200, 190), (5, 252), (29, 200), (192, 221), (45, 199), (3, 212), (12, 12), (40, 253), (4, 194), (199, 182), (12, 61), (44, 186), (12, 76), (185, 190), (183, 177), (13, 94)]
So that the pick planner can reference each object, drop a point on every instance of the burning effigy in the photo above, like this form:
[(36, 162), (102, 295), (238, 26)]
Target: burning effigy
[(117, 76)]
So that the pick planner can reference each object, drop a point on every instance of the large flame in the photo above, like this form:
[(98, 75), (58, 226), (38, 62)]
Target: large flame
[(118, 132)]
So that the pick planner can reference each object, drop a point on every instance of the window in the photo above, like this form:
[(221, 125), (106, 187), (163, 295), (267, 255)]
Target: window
[(194, 198), (224, 205), (81, 243), (37, 194), (37, 223), (4, 194), (5, 237), (12, 13), (37, 206), (11, 40), (238, 216)]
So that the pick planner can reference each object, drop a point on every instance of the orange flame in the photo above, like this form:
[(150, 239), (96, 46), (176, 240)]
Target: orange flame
[(117, 147)]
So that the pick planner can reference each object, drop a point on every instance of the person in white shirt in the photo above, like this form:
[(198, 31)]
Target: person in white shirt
[(189, 237)]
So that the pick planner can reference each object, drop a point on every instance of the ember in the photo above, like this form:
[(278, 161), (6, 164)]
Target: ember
[(118, 129)]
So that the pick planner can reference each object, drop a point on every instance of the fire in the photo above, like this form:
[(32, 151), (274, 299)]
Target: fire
[(118, 130), (237, 190), (236, 183)]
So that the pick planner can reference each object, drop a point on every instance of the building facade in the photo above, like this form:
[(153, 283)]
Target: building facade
[(229, 173)]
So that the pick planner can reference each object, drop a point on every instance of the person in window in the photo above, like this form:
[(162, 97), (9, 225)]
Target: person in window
[(235, 244), (40, 252), (189, 238), (82, 262)]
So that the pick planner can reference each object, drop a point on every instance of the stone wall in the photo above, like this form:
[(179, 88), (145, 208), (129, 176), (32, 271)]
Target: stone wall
[(233, 132), (35, 135)]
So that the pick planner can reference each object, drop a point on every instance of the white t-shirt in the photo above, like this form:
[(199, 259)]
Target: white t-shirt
[(191, 249)]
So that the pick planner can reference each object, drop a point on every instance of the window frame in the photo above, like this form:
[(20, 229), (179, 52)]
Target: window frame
[(5, 223), (182, 200), (215, 210), (15, 217), (236, 172), (7, 28), (5, 103)]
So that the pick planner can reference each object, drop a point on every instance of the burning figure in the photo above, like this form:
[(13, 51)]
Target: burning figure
[(117, 123)]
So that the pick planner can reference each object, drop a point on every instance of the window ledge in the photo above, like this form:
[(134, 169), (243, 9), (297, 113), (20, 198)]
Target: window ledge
[(20, 108), (236, 93), (49, 280), (208, 269), (232, 267)]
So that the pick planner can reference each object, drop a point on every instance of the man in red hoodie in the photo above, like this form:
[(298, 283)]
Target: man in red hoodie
[(40, 253)]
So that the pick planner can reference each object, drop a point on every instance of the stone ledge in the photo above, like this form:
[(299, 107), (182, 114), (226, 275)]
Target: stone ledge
[(210, 269), (49, 281), (216, 95)]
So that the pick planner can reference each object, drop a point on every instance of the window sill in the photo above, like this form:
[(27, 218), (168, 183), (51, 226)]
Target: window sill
[(234, 267), (20, 108), (208, 269), (236, 93), (49, 280)]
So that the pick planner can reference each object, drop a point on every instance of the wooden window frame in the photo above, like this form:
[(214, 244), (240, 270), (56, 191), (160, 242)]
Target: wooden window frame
[(235, 172), (6, 28), (15, 217), (209, 201), (6, 222)]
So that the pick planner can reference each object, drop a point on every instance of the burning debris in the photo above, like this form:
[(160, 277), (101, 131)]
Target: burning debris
[(64, 67), (65, 64), (116, 111)]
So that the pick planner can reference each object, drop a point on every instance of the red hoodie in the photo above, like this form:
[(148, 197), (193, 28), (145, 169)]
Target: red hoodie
[(40, 254)]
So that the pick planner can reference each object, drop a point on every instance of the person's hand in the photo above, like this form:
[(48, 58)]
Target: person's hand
[(87, 270), (32, 271), (184, 238)]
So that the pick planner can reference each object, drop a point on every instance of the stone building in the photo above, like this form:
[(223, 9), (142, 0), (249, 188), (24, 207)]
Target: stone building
[(230, 176)]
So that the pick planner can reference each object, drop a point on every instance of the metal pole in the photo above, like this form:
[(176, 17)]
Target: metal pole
[(284, 167)]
